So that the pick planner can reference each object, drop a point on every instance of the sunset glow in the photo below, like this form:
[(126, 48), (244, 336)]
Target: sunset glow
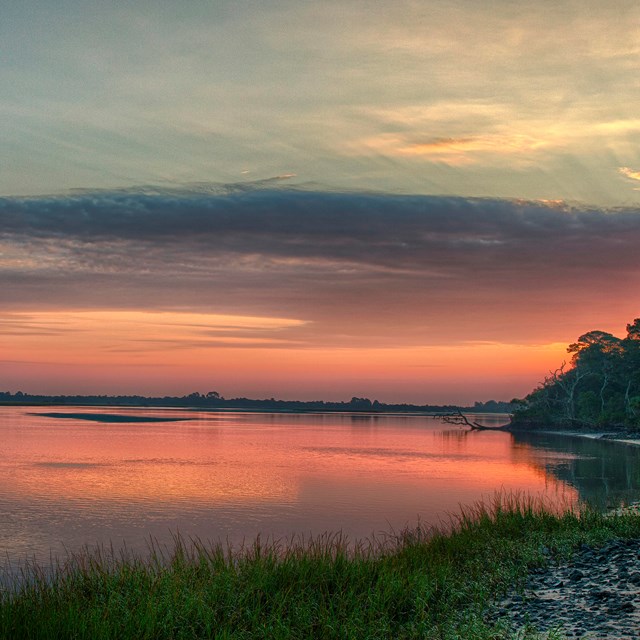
[(312, 314), (94, 356), (420, 202), (213, 460)]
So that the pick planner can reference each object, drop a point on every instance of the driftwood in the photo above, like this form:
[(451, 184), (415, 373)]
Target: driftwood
[(458, 418)]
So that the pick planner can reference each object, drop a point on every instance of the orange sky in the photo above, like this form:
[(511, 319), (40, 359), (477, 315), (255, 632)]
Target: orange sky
[(301, 294), (155, 353)]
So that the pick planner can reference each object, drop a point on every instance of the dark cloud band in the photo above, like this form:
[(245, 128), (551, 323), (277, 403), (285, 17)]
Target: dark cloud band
[(340, 260)]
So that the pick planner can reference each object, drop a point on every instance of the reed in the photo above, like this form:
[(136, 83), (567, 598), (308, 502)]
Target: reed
[(417, 583)]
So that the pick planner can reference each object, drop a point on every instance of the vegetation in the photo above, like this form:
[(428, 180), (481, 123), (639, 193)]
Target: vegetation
[(601, 388), (213, 400), (419, 584)]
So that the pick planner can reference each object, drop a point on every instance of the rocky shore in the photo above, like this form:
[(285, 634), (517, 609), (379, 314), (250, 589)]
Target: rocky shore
[(596, 595)]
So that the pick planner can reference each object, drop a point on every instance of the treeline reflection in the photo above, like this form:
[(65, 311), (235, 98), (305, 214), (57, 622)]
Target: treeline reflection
[(605, 473)]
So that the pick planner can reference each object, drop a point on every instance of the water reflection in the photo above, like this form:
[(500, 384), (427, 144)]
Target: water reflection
[(604, 473), (69, 482)]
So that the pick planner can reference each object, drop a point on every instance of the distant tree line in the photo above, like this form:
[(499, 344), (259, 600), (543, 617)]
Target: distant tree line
[(600, 387), (213, 400)]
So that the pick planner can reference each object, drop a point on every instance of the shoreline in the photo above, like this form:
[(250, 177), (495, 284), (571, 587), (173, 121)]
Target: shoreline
[(473, 581), (608, 436), (240, 409), (591, 594), (611, 436)]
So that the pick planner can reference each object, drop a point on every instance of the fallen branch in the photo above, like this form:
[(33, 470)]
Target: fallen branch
[(458, 418)]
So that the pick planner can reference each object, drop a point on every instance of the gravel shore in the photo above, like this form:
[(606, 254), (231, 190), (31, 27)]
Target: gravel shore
[(596, 595)]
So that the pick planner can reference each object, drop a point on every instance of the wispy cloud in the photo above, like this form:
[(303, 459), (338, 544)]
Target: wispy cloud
[(632, 174), (145, 331), (202, 96), (455, 151)]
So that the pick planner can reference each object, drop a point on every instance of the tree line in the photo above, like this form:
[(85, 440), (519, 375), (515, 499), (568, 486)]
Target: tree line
[(599, 387), (213, 400)]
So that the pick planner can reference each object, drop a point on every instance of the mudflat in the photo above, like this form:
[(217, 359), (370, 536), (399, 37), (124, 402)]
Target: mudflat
[(107, 417), (594, 595)]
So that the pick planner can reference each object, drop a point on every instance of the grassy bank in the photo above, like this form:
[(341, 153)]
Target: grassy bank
[(419, 584)]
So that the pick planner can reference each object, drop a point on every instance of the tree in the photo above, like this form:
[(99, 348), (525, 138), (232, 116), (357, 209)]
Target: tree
[(631, 369), (600, 355), (593, 348), (568, 382), (360, 404), (601, 387), (633, 330)]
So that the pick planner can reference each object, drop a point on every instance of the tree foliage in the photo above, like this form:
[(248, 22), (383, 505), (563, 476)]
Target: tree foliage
[(600, 387)]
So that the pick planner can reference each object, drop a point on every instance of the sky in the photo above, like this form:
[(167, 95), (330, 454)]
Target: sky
[(409, 201)]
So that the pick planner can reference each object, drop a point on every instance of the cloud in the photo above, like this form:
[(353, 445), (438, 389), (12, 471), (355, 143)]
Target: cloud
[(203, 96), (454, 151), (632, 174), (357, 268), (144, 331)]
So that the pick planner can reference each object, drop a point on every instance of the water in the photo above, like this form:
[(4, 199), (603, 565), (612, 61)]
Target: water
[(68, 482)]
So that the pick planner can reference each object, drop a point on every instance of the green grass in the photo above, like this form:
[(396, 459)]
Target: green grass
[(417, 584)]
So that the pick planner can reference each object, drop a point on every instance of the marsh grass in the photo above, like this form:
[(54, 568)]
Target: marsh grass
[(418, 583)]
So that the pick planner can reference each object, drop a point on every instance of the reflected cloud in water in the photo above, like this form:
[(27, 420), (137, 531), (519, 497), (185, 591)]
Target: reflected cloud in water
[(229, 476)]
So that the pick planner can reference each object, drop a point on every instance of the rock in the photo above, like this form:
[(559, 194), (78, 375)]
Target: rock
[(593, 596)]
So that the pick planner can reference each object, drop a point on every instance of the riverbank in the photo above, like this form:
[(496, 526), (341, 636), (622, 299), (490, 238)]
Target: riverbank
[(594, 595), (632, 438), (417, 584)]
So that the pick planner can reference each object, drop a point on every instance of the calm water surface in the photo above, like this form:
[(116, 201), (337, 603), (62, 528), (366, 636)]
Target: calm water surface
[(68, 482)]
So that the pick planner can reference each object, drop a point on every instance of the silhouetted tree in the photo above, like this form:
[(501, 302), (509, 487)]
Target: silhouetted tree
[(601, 388)]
